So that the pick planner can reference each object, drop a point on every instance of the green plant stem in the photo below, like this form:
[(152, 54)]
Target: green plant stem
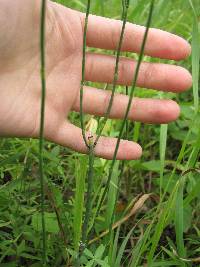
[(42, 119), (129, 103), (83, 73), (106, 116), (89, 145)]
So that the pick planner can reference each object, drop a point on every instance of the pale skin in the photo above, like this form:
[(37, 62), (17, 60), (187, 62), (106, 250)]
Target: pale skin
[(20, 86)]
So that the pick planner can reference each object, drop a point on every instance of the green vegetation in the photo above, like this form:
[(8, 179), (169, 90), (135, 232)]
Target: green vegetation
[(135, 213)]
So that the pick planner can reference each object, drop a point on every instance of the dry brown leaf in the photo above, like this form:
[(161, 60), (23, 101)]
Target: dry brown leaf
[(136, 207)]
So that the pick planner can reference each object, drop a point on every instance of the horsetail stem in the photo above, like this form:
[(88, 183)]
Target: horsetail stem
[(129, 103), (42, 119), (123, 162), (89, 143), (83, 73), (106, 116)]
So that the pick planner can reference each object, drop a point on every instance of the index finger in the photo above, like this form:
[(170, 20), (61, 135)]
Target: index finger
[(104, 33)]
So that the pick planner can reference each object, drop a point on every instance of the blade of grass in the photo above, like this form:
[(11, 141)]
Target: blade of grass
[(88, 197), (165, 213), (115, 246), (195, 58), (85, 230), (122, 248), (147, 240), (80, 173), (143, 245), (179, 220), (140, 247), (42, 118), (137, 203), (180, 156), (163, 144), (191, 164), (112, 195)]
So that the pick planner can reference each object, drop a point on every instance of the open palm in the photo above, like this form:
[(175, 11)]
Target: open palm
[(20, 87)]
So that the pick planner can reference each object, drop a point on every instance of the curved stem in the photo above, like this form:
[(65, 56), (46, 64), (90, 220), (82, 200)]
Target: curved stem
[(106, 116), (129, 103)]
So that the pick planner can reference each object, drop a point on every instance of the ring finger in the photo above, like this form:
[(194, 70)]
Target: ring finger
[(95, 102), (165, 77)]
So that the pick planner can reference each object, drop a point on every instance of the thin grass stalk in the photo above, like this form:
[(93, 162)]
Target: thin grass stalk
[(125, 5), (83, 73), (130, 100), (42, 119)]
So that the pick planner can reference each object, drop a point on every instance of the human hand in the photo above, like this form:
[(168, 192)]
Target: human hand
[(20, 86)]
